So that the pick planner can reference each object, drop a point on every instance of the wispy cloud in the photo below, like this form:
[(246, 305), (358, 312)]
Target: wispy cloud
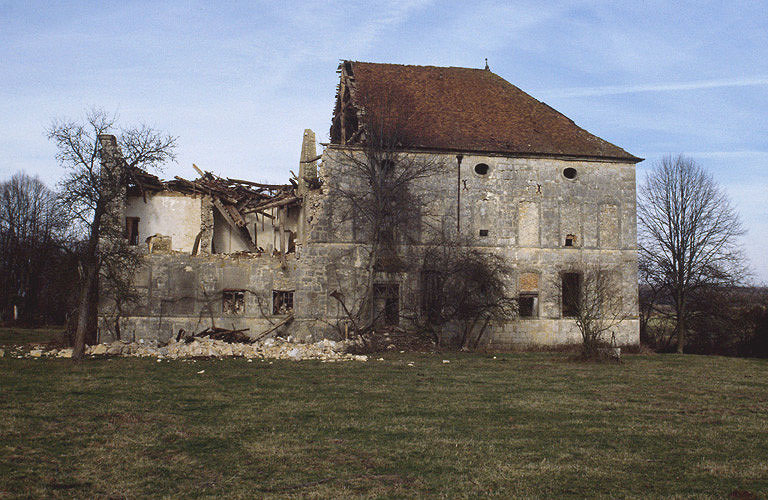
[(661, 87), (720, 154)]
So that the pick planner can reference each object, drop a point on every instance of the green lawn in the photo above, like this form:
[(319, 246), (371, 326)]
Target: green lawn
[(13, 336), (524, 425)]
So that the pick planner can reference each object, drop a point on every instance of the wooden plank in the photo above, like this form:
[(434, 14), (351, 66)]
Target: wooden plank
[(242, 231), (259, 184), (278, 203)]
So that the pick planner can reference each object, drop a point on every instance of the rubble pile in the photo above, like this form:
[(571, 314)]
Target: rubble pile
[(206, 347)]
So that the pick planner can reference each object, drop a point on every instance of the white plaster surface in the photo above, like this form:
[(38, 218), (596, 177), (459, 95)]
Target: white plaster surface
[(168, 214)]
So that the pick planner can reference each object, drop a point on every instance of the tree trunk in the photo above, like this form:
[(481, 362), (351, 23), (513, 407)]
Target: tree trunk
[(85, 309), (681, 330), (89, 291)]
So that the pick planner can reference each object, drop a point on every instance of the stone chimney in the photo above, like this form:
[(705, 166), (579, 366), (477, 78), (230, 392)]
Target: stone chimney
[(112, 187), (308, 161)]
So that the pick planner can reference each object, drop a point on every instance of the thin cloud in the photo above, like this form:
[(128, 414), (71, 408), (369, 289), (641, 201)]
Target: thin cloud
[(719, 154), (664, 87)]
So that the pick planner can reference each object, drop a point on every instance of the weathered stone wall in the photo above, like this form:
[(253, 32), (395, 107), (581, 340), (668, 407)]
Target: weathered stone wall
[(181, 291), (525, 209)]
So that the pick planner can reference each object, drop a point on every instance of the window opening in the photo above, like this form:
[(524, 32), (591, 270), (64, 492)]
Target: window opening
[(570, 240), (233, 302), (571, 289), (483, 232), (528, 305), (431, 298), (569, 173), (482, 168), (282, 302), (132, 230), (386, 302)]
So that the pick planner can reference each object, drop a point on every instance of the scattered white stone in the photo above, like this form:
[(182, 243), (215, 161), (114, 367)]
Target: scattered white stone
[(98, 349), (410, 364), (205, 347), (2, 353), (201, 371), (446, 361), (494, 357)]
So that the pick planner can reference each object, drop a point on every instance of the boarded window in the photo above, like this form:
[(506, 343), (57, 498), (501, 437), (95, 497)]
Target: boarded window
[(132, 230), (233, 302), (571, 288), (282, 301), (528, 224), (609, 226), (386, 304), (529, 282)]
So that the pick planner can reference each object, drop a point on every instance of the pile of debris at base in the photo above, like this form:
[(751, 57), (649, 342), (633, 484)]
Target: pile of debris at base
[(393, 339), (206, 347)]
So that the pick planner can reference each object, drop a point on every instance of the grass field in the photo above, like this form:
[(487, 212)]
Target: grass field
[(521, 425)]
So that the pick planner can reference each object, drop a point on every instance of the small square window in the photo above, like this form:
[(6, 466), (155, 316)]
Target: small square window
[(233, 302), (282, 302), (483, 232), (570, 240)]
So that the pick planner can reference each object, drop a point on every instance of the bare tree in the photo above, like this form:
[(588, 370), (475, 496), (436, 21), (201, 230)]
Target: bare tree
[(381, 188), (689, 234), (592, 297), (33, 228), (463, 291), (94, 182)]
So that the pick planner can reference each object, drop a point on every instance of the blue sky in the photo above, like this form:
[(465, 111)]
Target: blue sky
[(238, 82)]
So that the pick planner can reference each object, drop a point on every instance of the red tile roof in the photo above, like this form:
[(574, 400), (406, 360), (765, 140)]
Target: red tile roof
[(464, 109)]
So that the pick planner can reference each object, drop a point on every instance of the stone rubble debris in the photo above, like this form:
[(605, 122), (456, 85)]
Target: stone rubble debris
[(205, 347)]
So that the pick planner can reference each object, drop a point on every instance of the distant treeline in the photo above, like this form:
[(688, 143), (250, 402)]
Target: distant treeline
[(38, 254), (727, 321)]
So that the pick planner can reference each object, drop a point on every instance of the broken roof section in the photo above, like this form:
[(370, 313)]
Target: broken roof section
[(237, 197), (459, 109)]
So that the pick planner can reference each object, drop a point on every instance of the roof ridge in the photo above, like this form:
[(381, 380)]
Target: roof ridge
[(418, 66)]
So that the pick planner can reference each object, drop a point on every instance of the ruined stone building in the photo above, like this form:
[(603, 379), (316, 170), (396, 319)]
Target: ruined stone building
[(523, 179)]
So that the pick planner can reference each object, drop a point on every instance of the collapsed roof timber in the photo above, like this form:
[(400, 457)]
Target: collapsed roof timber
[(235, 215)]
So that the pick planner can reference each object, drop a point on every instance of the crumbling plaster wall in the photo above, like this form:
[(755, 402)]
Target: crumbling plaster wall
[(170, 214), (528, 207)]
